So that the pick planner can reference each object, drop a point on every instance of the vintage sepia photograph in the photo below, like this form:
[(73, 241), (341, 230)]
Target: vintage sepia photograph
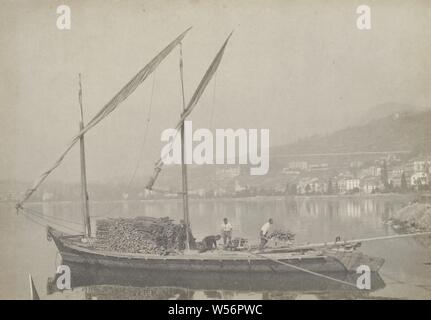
[(215, 150)]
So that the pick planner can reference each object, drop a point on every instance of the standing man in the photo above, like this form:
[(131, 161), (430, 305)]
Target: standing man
[(182, 236), (264, 233), (226, 232)]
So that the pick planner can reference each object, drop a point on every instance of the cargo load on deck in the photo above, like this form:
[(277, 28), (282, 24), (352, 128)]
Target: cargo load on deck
[(148, 235)]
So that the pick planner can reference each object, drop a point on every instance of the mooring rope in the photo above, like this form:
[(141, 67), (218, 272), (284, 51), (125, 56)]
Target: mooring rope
[(304, 270)]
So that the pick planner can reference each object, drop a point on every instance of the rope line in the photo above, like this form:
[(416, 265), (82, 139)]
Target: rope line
[(141, 149), (304, 270), (169, 149), (42, 215), (213, 102), (28, 214), (32, 217)]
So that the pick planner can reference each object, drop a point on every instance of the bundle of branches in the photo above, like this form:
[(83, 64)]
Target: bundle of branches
[(140, 235), (282, 235)]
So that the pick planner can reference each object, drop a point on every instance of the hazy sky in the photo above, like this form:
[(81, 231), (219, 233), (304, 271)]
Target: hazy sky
[(295, 67)]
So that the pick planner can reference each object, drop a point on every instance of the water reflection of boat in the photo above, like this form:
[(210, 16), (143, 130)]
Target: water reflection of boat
[(109, 283)]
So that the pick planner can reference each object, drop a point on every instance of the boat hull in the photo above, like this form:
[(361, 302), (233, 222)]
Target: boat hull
[(328, 262)]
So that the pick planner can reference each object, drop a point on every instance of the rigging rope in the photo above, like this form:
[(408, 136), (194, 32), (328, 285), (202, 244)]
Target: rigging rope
[(141, 149), (132, 178), (147, 125), (213, 102), (44, 216), (182, 78), (32, 217), (169, 149), (183, 101)]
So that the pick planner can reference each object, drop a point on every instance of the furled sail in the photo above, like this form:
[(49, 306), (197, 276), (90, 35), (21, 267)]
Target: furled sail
[(126, 91), (190, 106)]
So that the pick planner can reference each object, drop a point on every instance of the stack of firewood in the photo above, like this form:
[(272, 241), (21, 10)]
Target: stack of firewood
[(282, 235), (139, 235)]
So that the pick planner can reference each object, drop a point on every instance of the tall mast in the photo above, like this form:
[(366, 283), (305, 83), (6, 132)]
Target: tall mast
[(84, 193), (183, 158)]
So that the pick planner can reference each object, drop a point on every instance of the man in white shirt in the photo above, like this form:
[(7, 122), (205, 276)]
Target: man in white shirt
[(226, 232), (264, 232)]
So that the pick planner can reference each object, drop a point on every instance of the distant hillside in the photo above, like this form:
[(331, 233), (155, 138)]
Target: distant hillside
[(399, 131), (385, 110), (409, 131)]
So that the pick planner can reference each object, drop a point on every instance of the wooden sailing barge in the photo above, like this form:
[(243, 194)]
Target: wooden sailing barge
[(73, 250), (77, 249)]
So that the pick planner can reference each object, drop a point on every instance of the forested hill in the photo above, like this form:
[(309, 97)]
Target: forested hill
[(410, 131)]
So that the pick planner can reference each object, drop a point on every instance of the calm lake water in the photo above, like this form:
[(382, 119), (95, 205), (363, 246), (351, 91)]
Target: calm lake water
[(406, 273)]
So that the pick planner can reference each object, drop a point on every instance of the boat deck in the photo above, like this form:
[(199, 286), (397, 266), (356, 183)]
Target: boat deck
[(216, 254)]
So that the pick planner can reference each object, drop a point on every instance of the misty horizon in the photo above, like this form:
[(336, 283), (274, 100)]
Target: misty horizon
[(269, 76)]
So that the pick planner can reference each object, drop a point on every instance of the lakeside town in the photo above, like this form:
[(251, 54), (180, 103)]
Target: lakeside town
[(391, 173)]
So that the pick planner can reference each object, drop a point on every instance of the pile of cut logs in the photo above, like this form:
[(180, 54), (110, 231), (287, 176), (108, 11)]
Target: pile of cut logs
[(282, 235), (139, 235)]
